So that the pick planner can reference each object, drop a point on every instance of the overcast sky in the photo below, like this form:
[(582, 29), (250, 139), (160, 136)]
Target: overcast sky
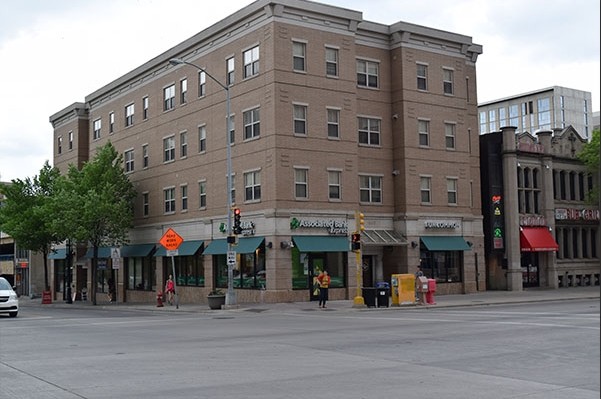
[(55, 52)]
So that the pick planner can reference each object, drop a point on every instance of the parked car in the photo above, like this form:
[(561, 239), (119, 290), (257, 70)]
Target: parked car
[(9, 301)]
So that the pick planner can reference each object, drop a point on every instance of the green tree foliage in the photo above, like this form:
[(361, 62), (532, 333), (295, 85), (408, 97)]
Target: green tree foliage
[(590, 156), (95, 204), (26, 213)]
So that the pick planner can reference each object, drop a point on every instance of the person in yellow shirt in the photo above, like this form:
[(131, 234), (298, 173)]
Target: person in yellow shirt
[(324, 283)]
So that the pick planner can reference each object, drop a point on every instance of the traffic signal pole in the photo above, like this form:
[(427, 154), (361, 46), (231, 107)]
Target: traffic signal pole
[(358, 301)]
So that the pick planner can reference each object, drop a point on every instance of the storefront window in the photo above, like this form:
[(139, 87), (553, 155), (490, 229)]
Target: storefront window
[(140, 273), (443, 266), (189, 270), (249, 271), (333, 262)]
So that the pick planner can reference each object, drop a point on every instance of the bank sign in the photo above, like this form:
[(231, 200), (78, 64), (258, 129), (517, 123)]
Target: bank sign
[(334, 227)]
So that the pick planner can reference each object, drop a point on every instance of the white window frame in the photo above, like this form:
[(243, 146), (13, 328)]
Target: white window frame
[(448, 86), (251, 58), (331, 57), (202, 84), (183, 189), (130, 111), (299, 56), (169, 200), (334, 184), (145, 107), (301, 182), (370, 134), (299, 119), (252, 123), (452, 197), (183, 144), (169, 149), (425, 189), (370, 189), (252, 185), (169, 97), (202, 194), (230, 67), (333, 119), (145, 157), (365, 68), (128, 159), (450, 135), (183, 91), (422, 76), (97, 128), (423, 132), (145, 203), (202, 139)]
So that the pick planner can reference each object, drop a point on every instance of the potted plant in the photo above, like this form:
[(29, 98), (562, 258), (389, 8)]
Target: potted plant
[(216, 299)]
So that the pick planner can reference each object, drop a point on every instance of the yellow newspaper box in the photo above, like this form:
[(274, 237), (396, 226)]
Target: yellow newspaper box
[(402, 289)]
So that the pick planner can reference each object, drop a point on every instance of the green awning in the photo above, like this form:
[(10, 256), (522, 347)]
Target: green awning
[(246, 245), (60, 253), (103, 252), (321, 243), (136, 250), (445, 243), (186, 248)]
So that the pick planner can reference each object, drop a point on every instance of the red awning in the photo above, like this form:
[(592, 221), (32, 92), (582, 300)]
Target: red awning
[(537, 239)]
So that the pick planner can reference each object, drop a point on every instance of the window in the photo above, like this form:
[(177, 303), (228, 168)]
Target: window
[(301, 183), (111, 122), (252, 125), (251, 62), (334, 184), (202, 138), (333, 123), (145, 156), (252, 186), (168, 98), (447, 81), (422, 77), (369, 131), (425, 185), (145, 108), (492, 121), (331, 61), (452, 191), (202, 84), (129, 161), (423, 130), (70, 140), (202, 194), (183, 144), (544, 113), (449, 134), (97, 128), (145, 204), (483, 122), (502, 117), (370, 189), (59, 144), (232, 128), (300, 119), (513, 115), (367, 73), (169, 149), (298, 56), (184, 193), (230, 68), (129, 115), (169, 199), (183, 91)]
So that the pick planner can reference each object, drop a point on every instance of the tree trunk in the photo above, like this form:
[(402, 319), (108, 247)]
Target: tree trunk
[(94, 275)]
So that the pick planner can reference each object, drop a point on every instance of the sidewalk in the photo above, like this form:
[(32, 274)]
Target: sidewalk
[(444, 301)]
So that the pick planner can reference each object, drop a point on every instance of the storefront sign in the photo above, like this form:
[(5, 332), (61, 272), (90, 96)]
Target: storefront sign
[(248, 228), (576, 214), (338, 227), (533, 220), (441, 224)]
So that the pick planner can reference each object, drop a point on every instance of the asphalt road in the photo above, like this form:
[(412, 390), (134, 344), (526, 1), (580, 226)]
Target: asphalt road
[(546, 350)]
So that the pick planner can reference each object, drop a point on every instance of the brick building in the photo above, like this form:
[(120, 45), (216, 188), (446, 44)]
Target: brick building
[(330, 115)]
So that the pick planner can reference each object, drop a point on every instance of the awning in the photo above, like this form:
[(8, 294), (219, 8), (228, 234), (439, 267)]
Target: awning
[(246, 245), (382, 237), (186, 248), (136, 250), (445, 243), (537, 239), (321, 243), (60, 253), (103, 252)]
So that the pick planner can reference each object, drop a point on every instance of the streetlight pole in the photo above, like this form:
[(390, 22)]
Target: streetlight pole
[(230, 298)]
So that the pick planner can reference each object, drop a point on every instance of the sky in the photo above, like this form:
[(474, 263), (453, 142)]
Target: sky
[(55, 52)]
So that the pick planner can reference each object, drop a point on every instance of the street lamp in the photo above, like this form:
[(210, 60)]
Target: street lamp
[(230, 298)]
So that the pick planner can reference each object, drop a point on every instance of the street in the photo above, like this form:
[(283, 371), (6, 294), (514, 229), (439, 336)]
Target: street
[(545, 350)]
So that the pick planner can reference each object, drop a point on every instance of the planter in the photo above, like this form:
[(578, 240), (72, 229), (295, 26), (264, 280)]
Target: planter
[(216, 301)]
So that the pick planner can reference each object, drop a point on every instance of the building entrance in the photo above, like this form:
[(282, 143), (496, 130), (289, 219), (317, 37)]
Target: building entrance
[(316, 265), (530, 275)]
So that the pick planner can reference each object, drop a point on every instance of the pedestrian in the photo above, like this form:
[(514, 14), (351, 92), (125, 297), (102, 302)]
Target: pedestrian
[(419, 295), (170, 290), (111, 286), (324, 283)]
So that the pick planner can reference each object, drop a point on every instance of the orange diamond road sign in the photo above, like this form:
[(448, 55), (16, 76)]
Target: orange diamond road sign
[(171, 240)]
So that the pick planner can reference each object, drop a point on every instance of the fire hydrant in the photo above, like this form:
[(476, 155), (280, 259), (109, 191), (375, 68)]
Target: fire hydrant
[(159, 299)]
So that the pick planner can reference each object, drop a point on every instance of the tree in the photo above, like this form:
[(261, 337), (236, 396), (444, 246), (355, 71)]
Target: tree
[(590, 154), (26, 214), (96, 204)]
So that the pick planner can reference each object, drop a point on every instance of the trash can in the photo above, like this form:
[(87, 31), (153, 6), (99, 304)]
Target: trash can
[(382, 294), (431, 291), (369, 296)]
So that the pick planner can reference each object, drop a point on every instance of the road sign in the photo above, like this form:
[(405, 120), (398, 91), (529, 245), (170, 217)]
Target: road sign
[(172, 252), (171, 240), (115, 253), (231, 257)]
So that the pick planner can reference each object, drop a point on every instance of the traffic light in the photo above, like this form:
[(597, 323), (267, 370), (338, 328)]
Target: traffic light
[(237, 225), (361, 222), (356, 241)]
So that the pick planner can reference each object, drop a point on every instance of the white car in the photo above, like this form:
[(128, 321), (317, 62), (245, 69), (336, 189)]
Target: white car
[(9, 302)]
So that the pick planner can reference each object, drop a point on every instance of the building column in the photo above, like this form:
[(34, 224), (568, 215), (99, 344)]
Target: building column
[(548, 205), (512, 216)]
